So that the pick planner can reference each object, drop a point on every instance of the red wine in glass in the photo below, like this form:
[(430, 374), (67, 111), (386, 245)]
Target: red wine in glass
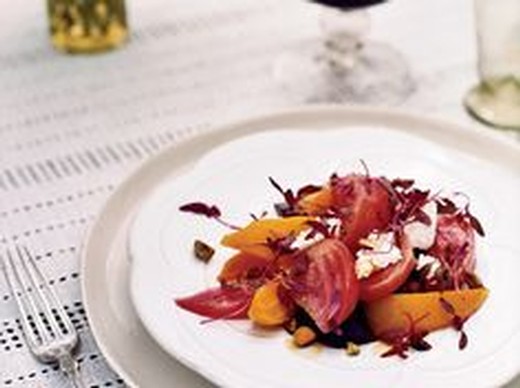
[(346, 67), (348, 4)]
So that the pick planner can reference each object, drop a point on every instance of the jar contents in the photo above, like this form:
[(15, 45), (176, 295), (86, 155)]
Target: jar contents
[(84, 26), (496, 99)]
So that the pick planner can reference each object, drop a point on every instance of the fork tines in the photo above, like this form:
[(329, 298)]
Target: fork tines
[(43, 318)]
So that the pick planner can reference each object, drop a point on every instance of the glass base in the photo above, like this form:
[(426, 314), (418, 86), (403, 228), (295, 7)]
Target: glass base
[(378, 75), (496, 102), (114, 37)]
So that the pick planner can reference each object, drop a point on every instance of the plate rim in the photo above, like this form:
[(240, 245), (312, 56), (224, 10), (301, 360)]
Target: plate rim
[(248, 126)]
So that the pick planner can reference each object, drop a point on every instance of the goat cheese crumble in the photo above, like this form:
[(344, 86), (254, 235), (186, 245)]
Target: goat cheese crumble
[(420, 235), (379, 253)]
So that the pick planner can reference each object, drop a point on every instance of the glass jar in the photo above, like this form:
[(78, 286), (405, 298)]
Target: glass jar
[(496, 100), (83, 26)]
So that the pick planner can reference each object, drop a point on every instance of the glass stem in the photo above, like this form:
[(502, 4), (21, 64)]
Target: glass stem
[(344, 33)]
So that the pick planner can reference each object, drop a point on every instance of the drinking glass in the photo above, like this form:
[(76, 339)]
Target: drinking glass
[(344, 66), (496, 99), (82, 26)]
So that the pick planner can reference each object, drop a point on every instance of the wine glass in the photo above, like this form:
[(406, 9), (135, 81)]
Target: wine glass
[(496, 99), (344, 66)]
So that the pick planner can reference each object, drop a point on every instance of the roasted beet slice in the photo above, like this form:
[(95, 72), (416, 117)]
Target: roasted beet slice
[(323, 282), (363, 205), (454, 246), (219, 302)]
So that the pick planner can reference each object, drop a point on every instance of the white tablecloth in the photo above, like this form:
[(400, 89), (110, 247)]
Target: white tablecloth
[(73, 127)]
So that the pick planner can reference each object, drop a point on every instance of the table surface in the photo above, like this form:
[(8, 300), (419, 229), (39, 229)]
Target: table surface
[(73, 127)]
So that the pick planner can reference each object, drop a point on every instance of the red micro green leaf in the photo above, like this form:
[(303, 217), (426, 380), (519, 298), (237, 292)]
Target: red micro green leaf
[(397, 350), (287, 208), (210, 211), (446, 206), (423, 218), (476, 225), (447, 306), (256, 218), (472, 280), (421, 345), (290, 205), (281, 246), (402, 183), (306, 190), (401, 342), (408, 202), (463, 340), (276, 186), (334, 230), (200, 208), (365, 167), (318, 227), (457, 322), (288, 195)]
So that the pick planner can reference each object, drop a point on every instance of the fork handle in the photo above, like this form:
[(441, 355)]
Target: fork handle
[(69, 367)]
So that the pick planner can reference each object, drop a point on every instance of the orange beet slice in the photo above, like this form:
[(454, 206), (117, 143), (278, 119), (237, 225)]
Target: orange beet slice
[(240, 266), (253, 238), (393, 313), (316, 203), (266, 308)]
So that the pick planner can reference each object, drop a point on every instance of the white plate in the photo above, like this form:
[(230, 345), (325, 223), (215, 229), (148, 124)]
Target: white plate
[(127, 347), (230, 168)]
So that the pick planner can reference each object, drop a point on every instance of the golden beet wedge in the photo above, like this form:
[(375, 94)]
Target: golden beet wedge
[(316, 203), (266, 308), (254, 237), (394, 313)]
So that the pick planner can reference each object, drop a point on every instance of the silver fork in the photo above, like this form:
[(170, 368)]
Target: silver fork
[(48, 331)]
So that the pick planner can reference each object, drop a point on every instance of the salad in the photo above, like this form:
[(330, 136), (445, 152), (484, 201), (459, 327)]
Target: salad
[(355, 260)]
